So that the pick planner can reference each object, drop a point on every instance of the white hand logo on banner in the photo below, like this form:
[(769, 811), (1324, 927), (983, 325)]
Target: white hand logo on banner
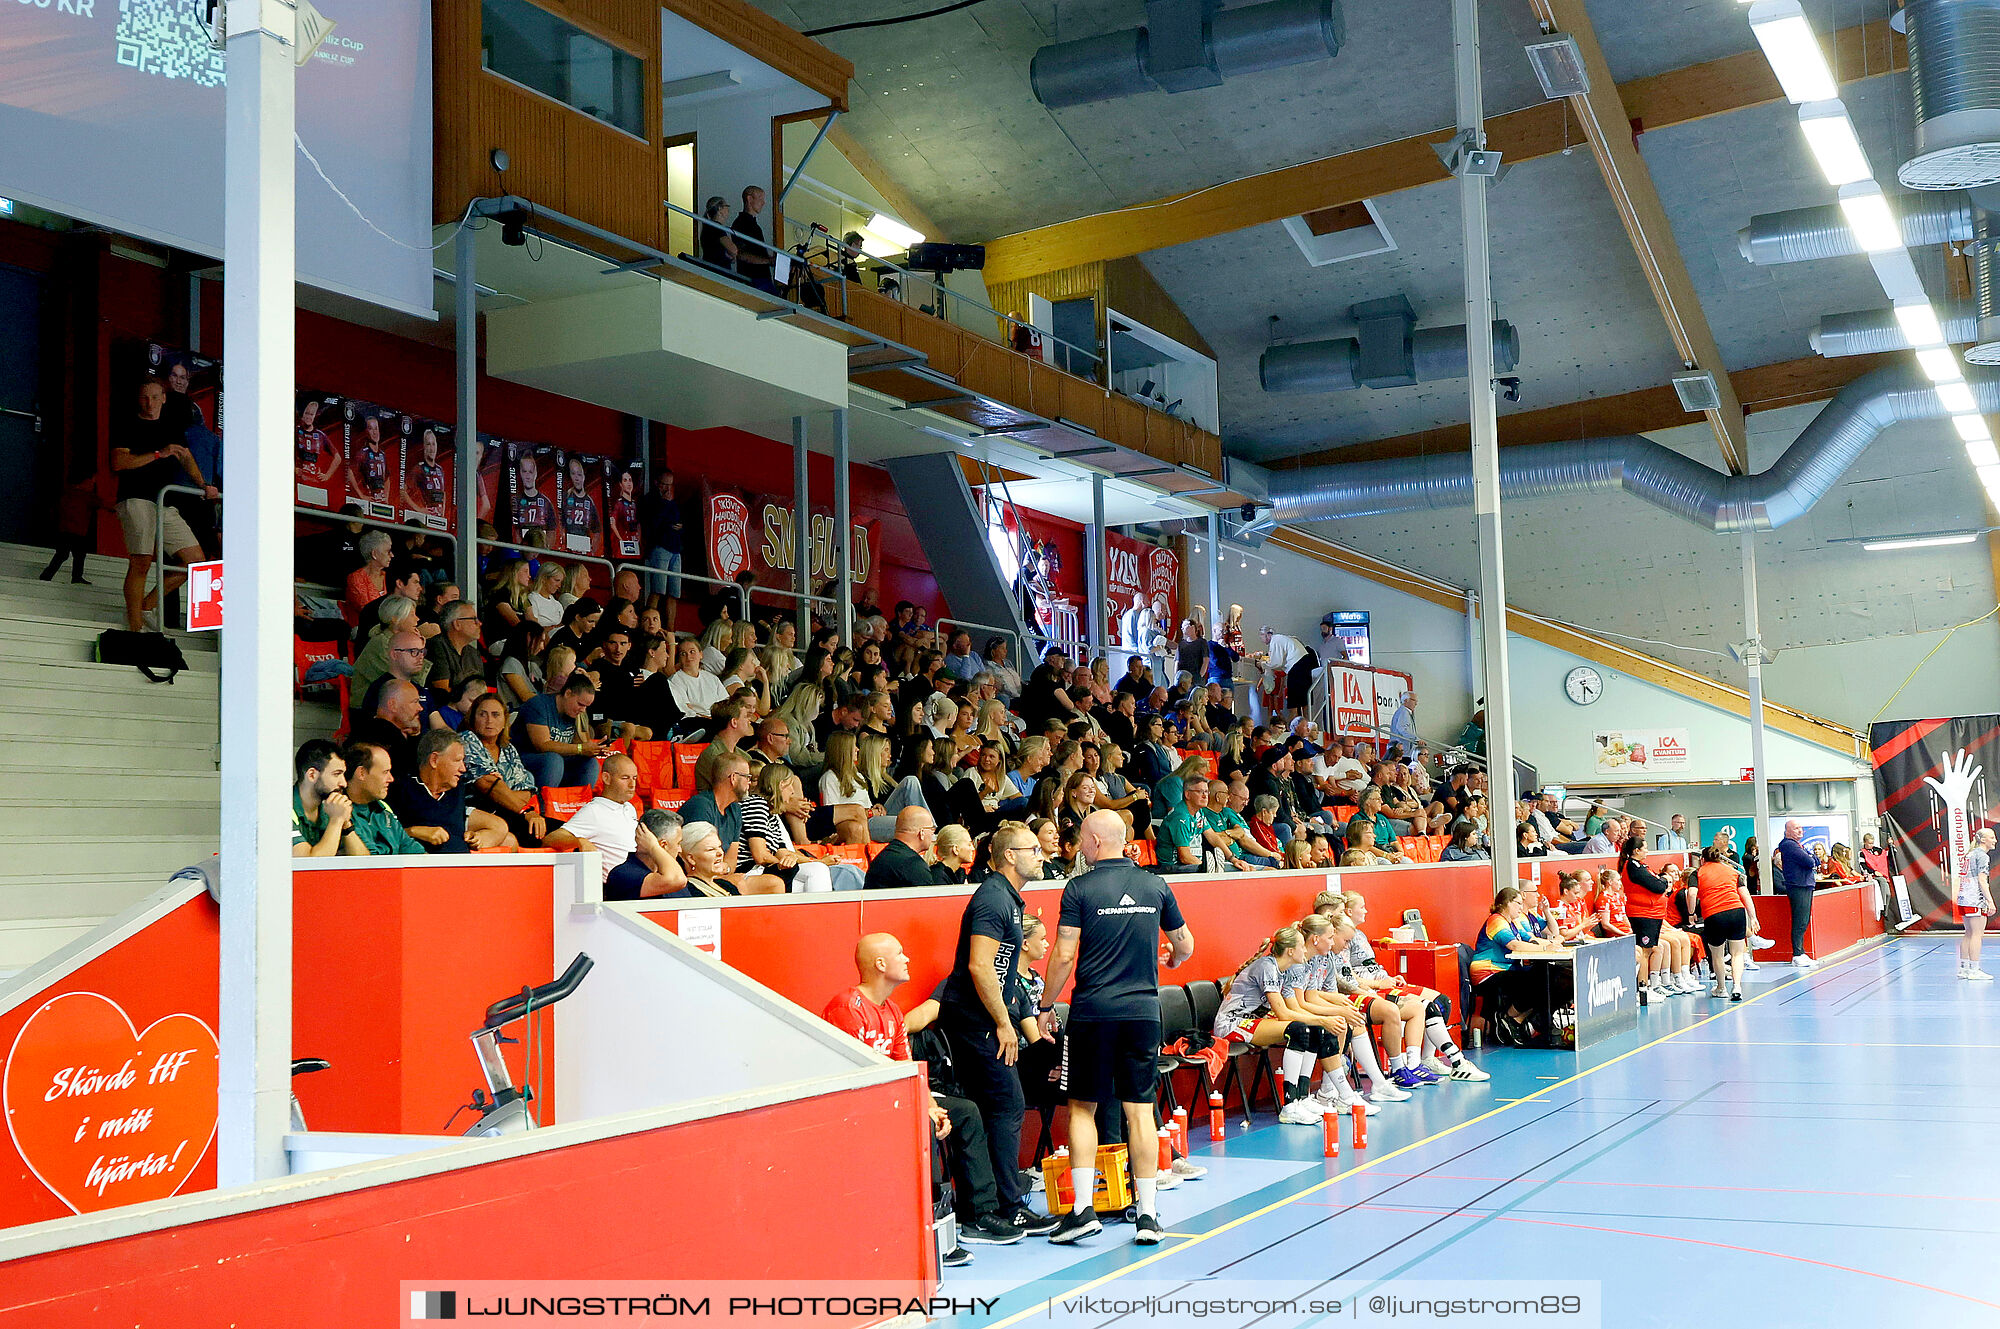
[(1956, 787)]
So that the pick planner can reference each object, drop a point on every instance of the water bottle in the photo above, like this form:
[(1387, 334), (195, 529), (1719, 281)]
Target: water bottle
[(1330, 1123), (1360, 1126), (1215, 1126), (1180, 1130)]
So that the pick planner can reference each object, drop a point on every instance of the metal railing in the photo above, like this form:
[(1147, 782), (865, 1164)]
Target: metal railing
[(771, 247), (644, 571), (943, 294)]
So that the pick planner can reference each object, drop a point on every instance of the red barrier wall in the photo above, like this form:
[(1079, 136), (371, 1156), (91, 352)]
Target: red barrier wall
[(165, 969), (682, 1201), (391, 973), (1841, 917), (803, 947)]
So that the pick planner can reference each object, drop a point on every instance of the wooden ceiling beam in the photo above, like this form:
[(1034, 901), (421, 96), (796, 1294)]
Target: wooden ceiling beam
[(1674, 97), (1601, 112), (1763, 388)]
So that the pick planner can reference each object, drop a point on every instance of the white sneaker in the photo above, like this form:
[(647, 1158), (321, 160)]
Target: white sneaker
[(1977, 976), (1466, 1072), (1762, 943), (1750, 964), (1804, 962), (1687, 984), (151, 619), (1299, 1112), (1188, 1171), (1716, 989), (1335, 1092), (1385, 1092), (1166, 1181), (1436, 1065)]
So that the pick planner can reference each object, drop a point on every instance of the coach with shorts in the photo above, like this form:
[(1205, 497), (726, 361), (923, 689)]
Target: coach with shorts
[(1109, 937)]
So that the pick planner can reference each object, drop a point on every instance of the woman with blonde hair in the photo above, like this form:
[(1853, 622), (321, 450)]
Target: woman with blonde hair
[(800, 712), (992, 728), (577, 587), (1257, 1010), (843, 791), (954, 856), (716, 640), (544, 599)]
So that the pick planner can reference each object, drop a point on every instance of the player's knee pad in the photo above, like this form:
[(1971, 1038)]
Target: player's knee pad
[(1441, 1007), (1299, 1037)]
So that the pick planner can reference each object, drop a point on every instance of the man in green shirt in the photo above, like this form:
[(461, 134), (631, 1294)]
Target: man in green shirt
[(1372, 816), (322, 818), (1183, 835), (378, 829)]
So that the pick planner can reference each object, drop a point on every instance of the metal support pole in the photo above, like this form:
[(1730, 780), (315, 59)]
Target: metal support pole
[(1173, 630), (832, 115), (194, 316), (646, 455), (465, 345), (256, 707), (1097, 578), (1485, 445), (843, 534), (1475, 668), (801, 527), (1754, 658)]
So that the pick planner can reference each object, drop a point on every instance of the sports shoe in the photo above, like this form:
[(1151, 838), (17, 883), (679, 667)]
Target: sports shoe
[(1424, 1075), (1031, 1180), (1716, 989), (1466, 1071), (1188, 1171), (1146, 1230), (957, 1256), (1749, 963), (1978, 976), (1033, 1224), (1689, 983), (1299, 1112), (1335, 1092), (1436, 1065), (989, 1230), (1165, 1181), (1683, 986), (1736, 993), (1075, 1226), (1405, 1078), (1804, 962), (1385, 1092), (1762, 943)]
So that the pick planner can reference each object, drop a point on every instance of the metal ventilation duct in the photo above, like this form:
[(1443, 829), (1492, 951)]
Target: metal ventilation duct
[(1187, 44), (1873, 331), (1809, 233), (1985, 265), (1955, 82), (1810, 467), (1336, 365)]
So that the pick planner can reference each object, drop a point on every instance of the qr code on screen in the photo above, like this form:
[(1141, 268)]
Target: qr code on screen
[(168, 38)]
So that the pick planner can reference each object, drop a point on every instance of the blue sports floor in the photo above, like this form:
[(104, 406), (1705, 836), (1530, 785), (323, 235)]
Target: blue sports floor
[(1816, 1155)]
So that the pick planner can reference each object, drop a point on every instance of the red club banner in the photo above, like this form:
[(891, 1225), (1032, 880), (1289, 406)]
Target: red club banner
[(728, 535), (755, 531)]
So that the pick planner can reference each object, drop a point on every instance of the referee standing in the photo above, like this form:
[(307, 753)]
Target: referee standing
[(1108, 937)]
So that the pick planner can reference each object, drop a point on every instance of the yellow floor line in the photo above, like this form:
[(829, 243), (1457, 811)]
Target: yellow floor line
[(1045, 1307)]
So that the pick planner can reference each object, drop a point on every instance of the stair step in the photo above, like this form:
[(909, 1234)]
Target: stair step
[(55, 756), (113, 683), (109, 785), (24, 942), (191, 815), (29, 647), (99, 600), (186, 726), (76, 893), (104, 855)]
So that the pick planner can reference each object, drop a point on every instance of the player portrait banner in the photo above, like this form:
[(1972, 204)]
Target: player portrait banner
[(1924, 809), (429, 469)]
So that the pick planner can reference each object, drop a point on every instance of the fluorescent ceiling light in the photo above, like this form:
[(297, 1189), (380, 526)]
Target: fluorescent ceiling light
[(1920, 324), (1982, 452), (1898, 275), (1793, 50), (1919, 542), (1868, 216), (892, 230), (1939, 364), (1835, 146), (876, 247), (1957, 398), (1971, 428)]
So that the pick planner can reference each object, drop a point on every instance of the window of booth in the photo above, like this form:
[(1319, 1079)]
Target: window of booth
[(532, 47)]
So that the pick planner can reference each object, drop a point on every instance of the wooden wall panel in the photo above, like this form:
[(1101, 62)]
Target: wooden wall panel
[(455, 61), (1083, 404), (633, 24), (531, 129), (609, 180), (751, 30)]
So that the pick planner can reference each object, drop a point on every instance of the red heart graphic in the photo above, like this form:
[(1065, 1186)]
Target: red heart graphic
[(104, 1115)]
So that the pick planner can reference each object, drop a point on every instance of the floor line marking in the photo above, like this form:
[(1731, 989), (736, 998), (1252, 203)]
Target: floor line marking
[(1726, 1246), (1696, 1186), (1043, 1306)]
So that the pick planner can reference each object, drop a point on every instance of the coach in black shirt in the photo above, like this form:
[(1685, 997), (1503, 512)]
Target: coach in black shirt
[(902, 862), (1109, 936), (972, 1011)]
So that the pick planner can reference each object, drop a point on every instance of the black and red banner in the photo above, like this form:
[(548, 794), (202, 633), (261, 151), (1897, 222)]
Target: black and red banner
[(1911, 758)]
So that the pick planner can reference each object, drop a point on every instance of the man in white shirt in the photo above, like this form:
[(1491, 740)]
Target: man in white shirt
[(1403, 725), (1287, 657), (1673, 840), (1609, 837), (694, 689), (608, 823), (1350, 777)]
